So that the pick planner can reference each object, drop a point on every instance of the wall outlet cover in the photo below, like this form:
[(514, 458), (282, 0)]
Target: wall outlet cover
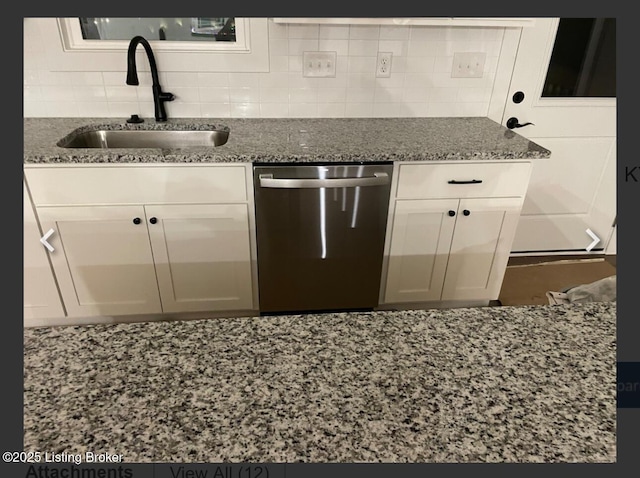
[(383, 65)]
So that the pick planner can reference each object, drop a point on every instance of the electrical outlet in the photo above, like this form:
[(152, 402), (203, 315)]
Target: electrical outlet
[(319, 64), (383, 69), (468, 65)]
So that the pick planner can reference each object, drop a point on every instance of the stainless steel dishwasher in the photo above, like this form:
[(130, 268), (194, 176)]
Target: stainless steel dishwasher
[(320, 235)]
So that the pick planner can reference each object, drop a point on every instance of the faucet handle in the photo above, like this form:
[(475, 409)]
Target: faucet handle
[(166, 96)]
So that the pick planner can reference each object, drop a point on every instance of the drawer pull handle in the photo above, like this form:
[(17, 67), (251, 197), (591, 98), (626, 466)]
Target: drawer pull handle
[(472, 181)]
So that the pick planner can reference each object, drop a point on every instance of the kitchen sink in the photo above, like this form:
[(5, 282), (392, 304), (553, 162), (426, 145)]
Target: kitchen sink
[(165, 139)]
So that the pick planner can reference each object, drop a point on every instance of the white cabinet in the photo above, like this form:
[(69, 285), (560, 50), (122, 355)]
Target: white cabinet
[(40, 298), (147, 240), (102, 259), (202, 256), (450, 230)]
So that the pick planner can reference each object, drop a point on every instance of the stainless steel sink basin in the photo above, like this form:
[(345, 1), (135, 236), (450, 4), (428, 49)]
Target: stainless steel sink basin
[(165, 139)]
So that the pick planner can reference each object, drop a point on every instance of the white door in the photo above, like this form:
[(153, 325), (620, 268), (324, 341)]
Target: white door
[(102, 259), (202, 256), (570, 99)]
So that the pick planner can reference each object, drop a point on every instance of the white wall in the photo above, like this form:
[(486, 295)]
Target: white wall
[(420, 84)]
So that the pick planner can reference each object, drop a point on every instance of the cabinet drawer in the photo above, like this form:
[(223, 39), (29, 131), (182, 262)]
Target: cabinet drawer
[(63, 185), (426, 181)]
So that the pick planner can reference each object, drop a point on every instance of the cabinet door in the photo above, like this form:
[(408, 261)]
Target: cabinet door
[(202, 255), (41, 297), (420, 240), (480, 248), (102, 259)]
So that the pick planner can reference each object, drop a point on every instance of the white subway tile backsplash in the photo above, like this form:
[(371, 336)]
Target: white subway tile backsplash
[(428, 33), (331, 110), (213, 79), (363, 47), (87, 78), (332, 95), (398, 48), (303, 95), (364, 32), (93, 108), (183, 110), (419, 64), (394, 32), (274, 95), (387, 95), (362, 64), (279, 47), (184, 94), (123, 93), (385, 110), (303, 110), (215, 110), (86, 93), (358, 110), (360, 95), (304, 31), (245, 110), (420, 83), (334, 32), (274, 110), (274, 80), (341, 47), (244, 95), (214, 94), (298, 47), (250, 80), (278, 30), (278, 64), (57, 93)]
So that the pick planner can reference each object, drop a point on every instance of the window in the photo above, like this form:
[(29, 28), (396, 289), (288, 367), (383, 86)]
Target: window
[(583, 61)]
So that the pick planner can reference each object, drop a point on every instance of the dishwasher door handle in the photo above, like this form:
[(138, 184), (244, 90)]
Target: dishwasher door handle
[(268, 181)]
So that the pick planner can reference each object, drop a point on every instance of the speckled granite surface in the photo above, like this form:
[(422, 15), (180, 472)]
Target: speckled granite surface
[(296, 140), (492, 384)]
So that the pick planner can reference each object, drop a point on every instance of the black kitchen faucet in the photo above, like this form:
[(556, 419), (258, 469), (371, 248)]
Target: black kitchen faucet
[(159, 97)]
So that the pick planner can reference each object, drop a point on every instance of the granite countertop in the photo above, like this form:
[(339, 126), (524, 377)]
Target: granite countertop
[(295, 140), (488, 384)]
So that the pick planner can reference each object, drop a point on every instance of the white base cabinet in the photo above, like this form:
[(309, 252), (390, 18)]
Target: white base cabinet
[(145, 247), (451, 243)]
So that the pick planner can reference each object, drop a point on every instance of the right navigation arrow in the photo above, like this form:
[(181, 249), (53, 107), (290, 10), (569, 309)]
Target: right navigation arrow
[(595, 238)]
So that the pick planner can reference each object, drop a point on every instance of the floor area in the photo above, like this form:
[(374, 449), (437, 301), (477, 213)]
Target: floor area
[(527, 279)]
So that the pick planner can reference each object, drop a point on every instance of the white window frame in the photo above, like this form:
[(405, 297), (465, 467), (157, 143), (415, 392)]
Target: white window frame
[(65, 51), (72, 40)]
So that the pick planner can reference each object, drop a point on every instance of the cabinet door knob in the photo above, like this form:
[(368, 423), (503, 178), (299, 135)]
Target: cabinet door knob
[(466, 212), (137, 220), (452, 213), (153, 220)]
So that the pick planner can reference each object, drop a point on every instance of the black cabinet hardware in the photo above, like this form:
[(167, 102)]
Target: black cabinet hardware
[(466, 212), (137, 220), (153, 220), (472, 181), (452, 213)]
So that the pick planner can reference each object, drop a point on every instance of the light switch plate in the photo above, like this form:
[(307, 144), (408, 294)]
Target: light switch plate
[(468, 65), (319, 64)]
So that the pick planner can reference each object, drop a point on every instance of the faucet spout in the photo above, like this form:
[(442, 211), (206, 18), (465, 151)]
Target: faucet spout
[(159, 96)]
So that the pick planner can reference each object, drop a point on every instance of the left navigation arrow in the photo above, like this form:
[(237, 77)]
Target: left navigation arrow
[(44, 238)]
